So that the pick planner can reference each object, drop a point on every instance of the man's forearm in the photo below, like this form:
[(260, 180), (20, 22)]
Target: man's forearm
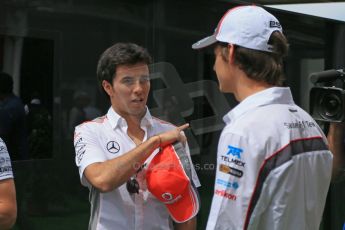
[(110, 174), (7, 220), (8, 204), (189, 225), (335, 138)]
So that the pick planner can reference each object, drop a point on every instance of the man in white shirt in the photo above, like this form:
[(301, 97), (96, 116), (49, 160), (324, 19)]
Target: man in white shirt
[(8, 203), (273, 162), (113, 151)]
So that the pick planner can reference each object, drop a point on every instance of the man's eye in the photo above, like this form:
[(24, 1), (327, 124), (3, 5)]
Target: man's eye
[(128, 81), (131, 81), (144, 79)]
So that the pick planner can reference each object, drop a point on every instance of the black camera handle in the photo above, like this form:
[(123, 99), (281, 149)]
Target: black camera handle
[(328, 76)]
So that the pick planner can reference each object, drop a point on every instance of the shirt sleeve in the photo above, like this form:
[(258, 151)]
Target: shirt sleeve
[(5, 162), (87, 150)]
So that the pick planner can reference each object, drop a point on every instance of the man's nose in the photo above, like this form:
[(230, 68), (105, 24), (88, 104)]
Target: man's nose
[(138, 86)]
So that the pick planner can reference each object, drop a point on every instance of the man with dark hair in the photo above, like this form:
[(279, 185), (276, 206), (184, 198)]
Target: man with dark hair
[(273, 162), (8, 203), (12, 119), (112, 151)]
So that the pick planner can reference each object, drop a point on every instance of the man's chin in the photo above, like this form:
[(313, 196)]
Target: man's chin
[(138, 111)]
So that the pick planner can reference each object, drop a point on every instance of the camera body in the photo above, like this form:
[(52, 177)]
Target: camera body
[(327, 102)]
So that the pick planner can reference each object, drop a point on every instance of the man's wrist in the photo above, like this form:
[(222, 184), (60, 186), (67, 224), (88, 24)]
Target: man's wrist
[(157, 141)]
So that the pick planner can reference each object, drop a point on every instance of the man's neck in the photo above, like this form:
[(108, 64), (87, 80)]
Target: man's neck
[(133, 122), (134, 130)]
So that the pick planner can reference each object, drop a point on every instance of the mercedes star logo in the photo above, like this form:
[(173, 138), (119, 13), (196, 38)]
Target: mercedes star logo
[(113, 147)]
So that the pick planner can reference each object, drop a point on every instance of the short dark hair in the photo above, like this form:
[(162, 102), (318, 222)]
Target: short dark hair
[(263, 66), (120, 54), (6, 83)]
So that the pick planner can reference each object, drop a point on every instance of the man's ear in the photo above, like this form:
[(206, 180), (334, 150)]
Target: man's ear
[(107, 87), (231, 49)]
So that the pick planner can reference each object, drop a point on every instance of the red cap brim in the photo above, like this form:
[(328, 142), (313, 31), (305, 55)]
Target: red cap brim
[(185, 208)]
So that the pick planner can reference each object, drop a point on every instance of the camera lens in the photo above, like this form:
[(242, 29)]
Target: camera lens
[(331, 106)]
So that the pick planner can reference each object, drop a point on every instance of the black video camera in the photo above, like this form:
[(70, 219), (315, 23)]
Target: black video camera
[(327, 100)]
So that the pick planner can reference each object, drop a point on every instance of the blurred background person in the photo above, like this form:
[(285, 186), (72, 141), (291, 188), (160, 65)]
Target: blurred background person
[(39, 126), (82, 110), (12, 119)]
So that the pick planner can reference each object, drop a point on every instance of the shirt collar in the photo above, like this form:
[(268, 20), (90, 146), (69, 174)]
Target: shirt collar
[(273, 95), (116, 120)]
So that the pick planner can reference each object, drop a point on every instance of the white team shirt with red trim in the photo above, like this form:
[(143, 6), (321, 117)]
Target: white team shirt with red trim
[(5, 162), (273, 166), (106, 138)]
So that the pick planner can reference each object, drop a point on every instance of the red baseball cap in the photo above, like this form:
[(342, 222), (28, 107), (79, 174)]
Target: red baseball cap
[(168, 178)]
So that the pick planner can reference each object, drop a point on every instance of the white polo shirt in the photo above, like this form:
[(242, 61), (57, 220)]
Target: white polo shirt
[(5, 162), (106, 138), (273, 166)]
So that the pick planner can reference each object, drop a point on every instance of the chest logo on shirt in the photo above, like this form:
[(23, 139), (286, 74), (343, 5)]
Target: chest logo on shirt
[(227, 184), (225, 194), (233, 161), (230, 170), (236, 152), (113, 147)]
